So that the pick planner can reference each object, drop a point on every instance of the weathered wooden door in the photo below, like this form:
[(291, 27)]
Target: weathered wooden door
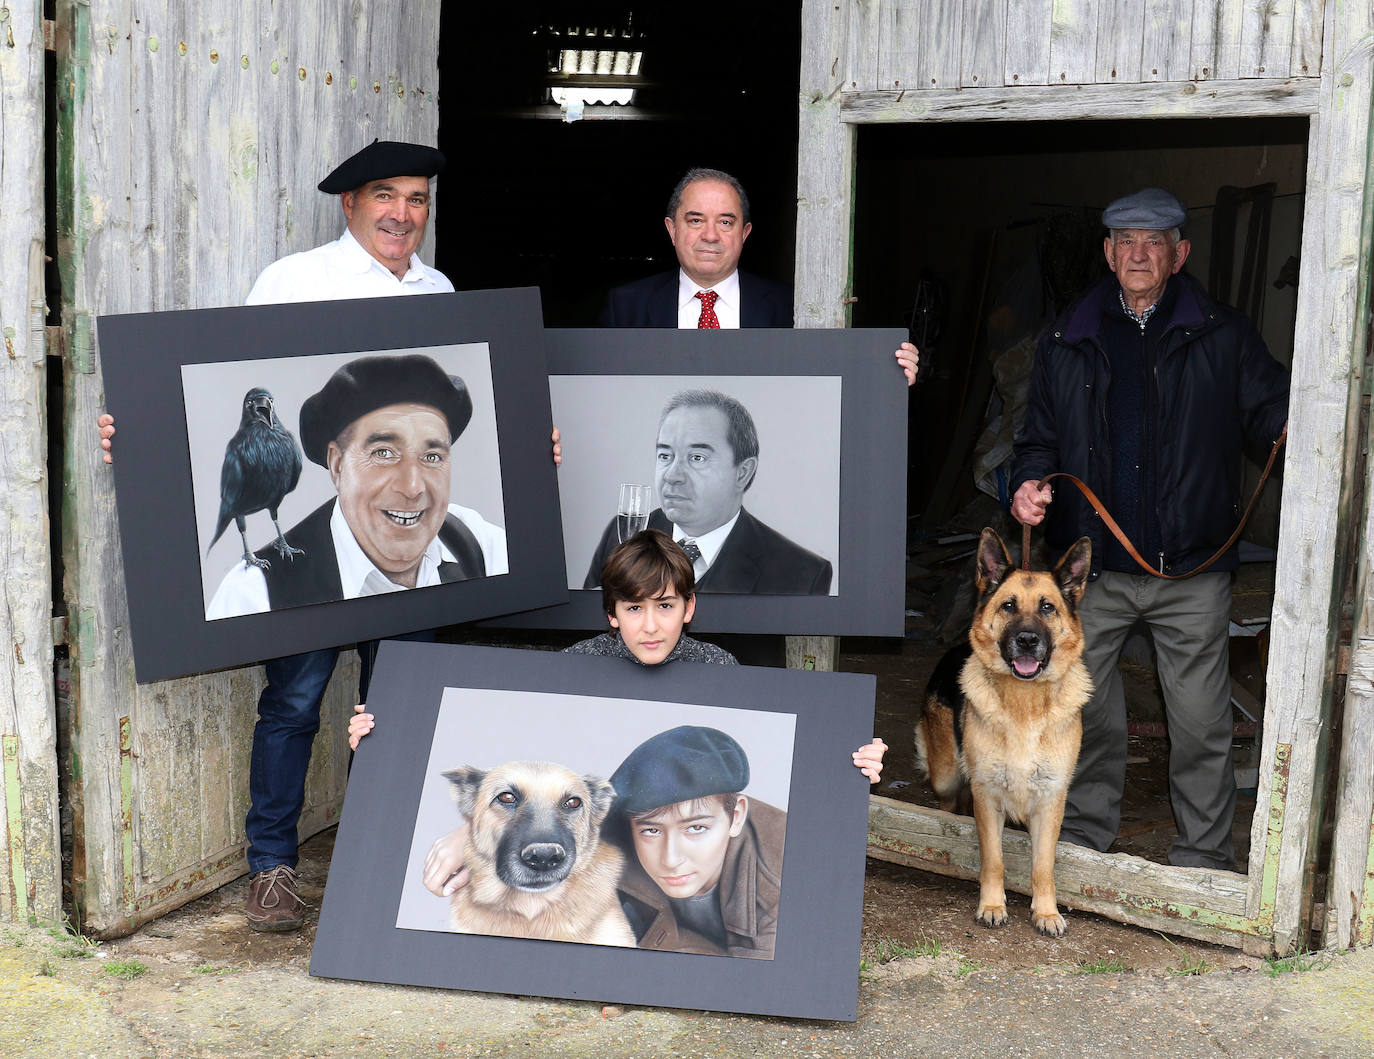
[(884, 61), (190, 141), (31, 884)]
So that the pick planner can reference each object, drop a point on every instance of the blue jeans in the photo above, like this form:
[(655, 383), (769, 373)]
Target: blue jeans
[(288, 718)]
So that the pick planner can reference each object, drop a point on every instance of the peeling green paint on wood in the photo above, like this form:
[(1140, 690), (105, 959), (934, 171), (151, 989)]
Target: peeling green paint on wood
[(14, 821)]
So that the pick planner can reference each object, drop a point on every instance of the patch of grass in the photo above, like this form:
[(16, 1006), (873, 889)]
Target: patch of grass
[(966, 968), (46, 969), (1187, 964), (889, 949), (1297, 963), (865, 970), (72, 952), (1107, 965), (206, 968), (126, 969)]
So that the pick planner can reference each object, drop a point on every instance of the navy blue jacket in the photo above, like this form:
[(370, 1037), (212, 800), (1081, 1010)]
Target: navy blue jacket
[(652, 302), (1215, 386)]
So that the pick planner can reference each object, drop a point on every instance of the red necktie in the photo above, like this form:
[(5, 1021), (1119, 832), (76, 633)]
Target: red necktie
[(707, 320)]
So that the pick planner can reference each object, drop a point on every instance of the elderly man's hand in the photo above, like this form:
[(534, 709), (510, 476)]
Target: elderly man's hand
[(106, 424), (909, 357), (1029, 503), (444, 873)]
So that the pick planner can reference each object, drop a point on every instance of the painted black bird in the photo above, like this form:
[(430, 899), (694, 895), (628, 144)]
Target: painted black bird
[(262, 463)]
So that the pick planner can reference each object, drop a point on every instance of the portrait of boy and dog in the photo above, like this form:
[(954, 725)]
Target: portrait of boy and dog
[(655, 829)]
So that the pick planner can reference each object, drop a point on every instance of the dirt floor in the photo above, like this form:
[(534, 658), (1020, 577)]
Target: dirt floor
[(905, 910)]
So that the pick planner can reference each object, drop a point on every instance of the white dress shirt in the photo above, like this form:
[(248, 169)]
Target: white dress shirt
[(341, 269), (689, 305), (243, 589), (709, 544)]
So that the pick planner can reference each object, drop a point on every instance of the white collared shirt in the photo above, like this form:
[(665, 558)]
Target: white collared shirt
[(709, 544), (243, 589), (341, 269), (689, 305)]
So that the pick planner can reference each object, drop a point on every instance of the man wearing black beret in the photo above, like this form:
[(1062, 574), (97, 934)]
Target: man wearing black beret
[(383, 427), (384, 191), (385, 195)]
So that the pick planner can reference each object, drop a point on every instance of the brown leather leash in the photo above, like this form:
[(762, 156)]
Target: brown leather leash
[(1110, 522)]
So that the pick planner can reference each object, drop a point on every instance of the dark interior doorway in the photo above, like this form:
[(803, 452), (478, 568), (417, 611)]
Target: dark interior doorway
[(576, 207), (968, 208)]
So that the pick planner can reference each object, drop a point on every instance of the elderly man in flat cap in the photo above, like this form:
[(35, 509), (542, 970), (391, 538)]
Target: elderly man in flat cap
[(1146, 389), (383, 427), (385, 194)]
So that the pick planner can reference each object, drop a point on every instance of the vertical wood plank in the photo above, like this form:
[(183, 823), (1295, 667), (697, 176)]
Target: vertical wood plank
[(825, 188), (30, 855), (899, 44), (1328, 367), (1308, 20), (1120, 35), (1030, 28), (1166, 40), (1073, 42), (862, 46), (983, 43), (1216, 39), (941, 35), (1266, 38)]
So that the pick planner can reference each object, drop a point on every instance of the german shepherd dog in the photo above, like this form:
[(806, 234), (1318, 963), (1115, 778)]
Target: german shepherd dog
[(1003, 717), (538, 866)]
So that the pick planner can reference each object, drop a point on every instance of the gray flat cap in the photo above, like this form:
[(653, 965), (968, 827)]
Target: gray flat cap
[(1151, 208)]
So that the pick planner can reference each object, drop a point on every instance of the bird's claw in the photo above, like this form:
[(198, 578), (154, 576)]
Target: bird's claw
[(249, 559), (286, 551)]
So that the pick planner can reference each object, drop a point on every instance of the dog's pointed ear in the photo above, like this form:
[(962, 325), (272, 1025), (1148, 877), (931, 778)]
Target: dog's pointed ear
[(993, 561), (600, 795), (465, 781), (1072, 571)]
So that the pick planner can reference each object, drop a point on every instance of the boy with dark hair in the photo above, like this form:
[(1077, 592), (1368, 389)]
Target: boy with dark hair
[(648, 589)]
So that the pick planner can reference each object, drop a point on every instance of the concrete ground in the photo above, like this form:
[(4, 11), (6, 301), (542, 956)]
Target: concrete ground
[(199, 983)]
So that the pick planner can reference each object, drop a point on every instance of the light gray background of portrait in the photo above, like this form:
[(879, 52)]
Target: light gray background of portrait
[(488, 727), (610, 424), (213, 394)]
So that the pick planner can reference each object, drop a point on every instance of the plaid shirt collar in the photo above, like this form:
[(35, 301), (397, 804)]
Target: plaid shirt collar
[(1140, 318)]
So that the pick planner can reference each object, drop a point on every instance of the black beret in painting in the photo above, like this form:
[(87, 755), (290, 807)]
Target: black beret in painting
[(677, 766), (368, 383), (380, 160)]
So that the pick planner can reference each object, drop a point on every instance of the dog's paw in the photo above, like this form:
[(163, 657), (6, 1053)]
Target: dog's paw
[(1051, 926), (992, 915)]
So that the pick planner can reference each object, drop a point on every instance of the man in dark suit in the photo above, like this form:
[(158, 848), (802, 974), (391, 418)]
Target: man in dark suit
[(706, 457), (708, 222)]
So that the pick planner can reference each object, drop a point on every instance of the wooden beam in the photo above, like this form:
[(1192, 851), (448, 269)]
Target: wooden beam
[(1245, 98), (1193, 902)]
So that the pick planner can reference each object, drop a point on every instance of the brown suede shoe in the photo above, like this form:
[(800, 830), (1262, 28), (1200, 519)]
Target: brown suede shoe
[(273, 903)]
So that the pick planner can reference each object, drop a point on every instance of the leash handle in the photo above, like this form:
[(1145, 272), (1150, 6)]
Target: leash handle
[(1117, 532)]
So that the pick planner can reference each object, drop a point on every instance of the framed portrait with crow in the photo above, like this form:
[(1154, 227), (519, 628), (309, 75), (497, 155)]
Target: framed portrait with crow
[(311, 474)]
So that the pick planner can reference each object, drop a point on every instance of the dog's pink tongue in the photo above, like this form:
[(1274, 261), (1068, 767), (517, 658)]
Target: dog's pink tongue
[(1026, 666)]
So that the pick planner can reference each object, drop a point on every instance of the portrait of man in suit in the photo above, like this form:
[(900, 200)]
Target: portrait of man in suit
[(706, 456), (383, 428)]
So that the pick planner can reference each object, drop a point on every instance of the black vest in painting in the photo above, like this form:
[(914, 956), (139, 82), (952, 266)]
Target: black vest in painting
[(314, 576)]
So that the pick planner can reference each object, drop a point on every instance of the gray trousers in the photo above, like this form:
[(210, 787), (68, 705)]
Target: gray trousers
[(1189, 623)]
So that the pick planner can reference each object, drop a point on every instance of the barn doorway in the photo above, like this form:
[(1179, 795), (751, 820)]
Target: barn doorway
[(973, 235)]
